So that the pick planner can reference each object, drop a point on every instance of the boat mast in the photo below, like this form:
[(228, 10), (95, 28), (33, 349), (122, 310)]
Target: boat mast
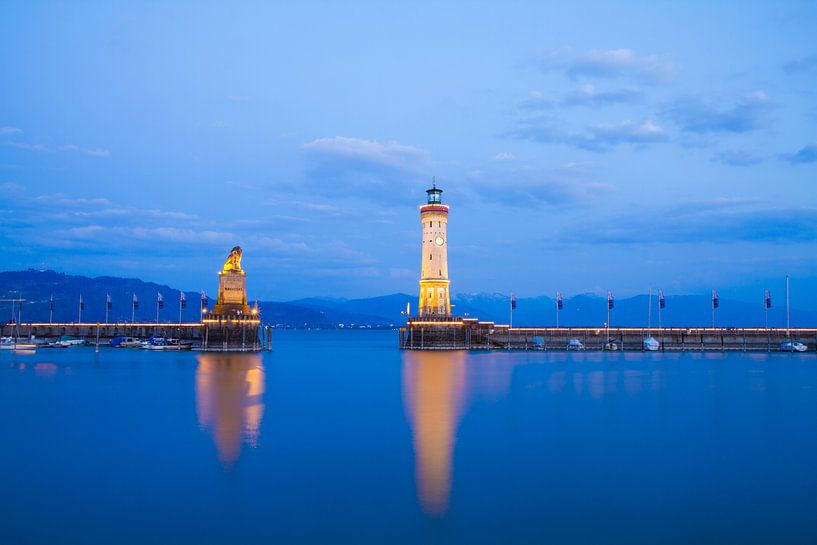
[(649, 310), (788, 308)]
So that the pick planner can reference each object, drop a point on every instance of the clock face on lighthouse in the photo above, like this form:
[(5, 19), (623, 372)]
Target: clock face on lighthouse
[(439, 241)]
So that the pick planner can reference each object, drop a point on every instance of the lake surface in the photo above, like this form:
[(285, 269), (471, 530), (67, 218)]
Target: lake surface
[(339, 437)]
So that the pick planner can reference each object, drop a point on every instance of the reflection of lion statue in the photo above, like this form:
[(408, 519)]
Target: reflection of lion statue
[(233, 262)]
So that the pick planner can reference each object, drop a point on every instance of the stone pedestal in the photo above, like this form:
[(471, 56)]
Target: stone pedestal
[(232, 294)]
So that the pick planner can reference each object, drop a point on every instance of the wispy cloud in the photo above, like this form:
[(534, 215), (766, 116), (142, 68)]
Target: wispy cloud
[(9, 130), (801, 65), (718, 221), (736, 158), (359, 168), (599, 137), (698, 115), (535, 102), (359, 150), (588, 95), (504, 157), (65, 148), (611, 64), (806, 154), (526, 187)]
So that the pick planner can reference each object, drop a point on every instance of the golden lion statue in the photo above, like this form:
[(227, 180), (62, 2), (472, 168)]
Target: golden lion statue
[(233, 262)]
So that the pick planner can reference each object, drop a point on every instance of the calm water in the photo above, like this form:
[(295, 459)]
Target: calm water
[(338, 437)]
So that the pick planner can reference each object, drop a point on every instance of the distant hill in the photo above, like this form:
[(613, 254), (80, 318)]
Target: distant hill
[(37, 287)]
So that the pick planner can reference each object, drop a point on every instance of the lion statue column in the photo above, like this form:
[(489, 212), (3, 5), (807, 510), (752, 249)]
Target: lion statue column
[(232, 287)]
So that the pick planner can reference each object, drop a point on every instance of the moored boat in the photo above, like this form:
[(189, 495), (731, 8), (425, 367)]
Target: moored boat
[(125, 342), (650, 344), (792, 346), (161, 343), (11, 343)]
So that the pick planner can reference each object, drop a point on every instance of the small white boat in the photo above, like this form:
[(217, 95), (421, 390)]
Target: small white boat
[(650, 344), (611, 345), (575, 344), (10, 343), (792, 346), (126, 342), (160, 343), (57, 344), (72, 341)]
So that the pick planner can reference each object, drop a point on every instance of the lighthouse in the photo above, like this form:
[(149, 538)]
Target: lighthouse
[(435, 300)]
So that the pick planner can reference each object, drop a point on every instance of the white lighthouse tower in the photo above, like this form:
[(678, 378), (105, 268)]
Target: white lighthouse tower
[(435, 300)]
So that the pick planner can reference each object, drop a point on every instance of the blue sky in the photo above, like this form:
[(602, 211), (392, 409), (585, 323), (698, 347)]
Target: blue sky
[(581, 146)]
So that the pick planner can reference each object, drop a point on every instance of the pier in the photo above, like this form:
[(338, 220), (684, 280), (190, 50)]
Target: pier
[(228, 334), (471, 334)]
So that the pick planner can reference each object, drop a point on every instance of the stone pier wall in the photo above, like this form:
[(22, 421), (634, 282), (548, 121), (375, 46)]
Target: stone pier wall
[(470, 334)]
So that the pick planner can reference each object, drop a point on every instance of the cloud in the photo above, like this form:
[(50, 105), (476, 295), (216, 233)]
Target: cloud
[(535, 102), (358, 150), (358, 168), (527, 187), (9, 130), (236, 99), (66, 148), (806, 154), (587, 95), (736, 158), (801, 65), (697, 115), (101, 233), (600, 137), (504, 157), (718, 221), (39, 148), (610, 64)]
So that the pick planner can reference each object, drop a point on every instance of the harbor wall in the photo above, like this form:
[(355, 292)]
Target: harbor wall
[(470, 334), (231, 334)]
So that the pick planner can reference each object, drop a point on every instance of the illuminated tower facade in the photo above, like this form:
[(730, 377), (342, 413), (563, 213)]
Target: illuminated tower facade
[(434, 296)]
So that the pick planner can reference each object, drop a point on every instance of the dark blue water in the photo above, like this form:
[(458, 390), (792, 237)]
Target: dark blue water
[(338, 437)]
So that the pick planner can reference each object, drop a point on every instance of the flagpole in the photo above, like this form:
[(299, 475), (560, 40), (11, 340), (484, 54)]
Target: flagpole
[(766, 301), (660, 296), (609, 299), (788, 308)]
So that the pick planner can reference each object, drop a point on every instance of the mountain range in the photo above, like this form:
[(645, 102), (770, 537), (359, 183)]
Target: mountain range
[(37, 288)]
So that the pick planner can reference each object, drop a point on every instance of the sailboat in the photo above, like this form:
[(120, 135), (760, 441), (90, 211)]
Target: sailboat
[(790, 345), (13, 342), (650, 344)]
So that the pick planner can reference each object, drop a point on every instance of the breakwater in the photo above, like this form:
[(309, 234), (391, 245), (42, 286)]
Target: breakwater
[(232, 334), (470, 334)]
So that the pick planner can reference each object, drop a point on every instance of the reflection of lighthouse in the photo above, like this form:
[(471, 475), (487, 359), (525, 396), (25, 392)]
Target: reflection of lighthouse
[(434, 296), (433, 390), (229, 391)]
